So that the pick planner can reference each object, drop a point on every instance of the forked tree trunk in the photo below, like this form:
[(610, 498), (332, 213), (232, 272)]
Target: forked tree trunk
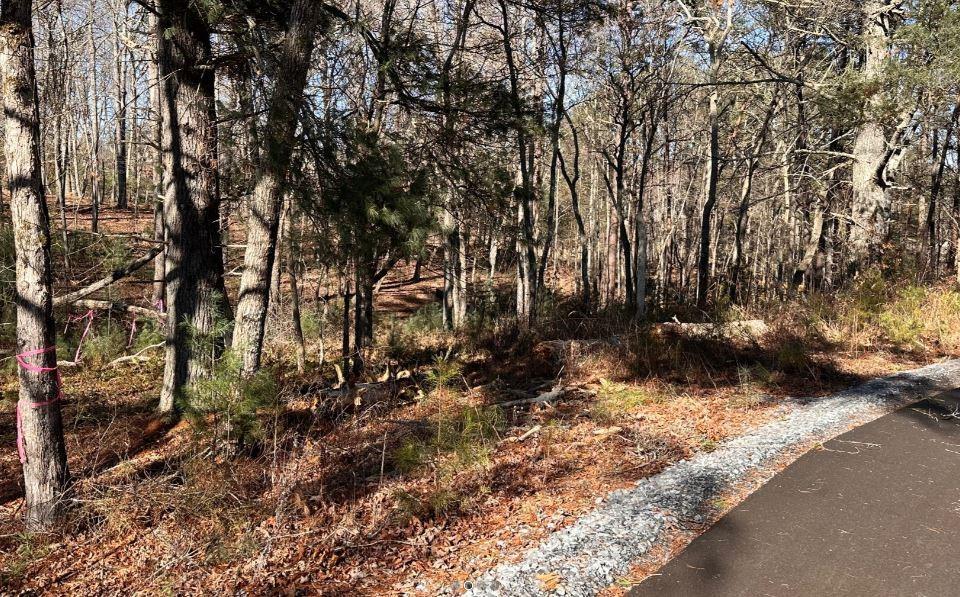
[(264, 218), (40, 429), (196, 295)]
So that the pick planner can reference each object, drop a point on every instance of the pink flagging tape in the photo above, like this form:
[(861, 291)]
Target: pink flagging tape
[(89, 315), (28, 366), (133, 331)]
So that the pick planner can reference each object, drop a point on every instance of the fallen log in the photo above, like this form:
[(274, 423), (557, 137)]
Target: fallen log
[(748, 329), (119, 306), (118, 274)]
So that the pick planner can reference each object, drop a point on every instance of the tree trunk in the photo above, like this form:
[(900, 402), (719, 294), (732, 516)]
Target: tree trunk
[(936, 185), (159, 234), (294, 272), (40, 428), (713, 176), (120, 151), (196, 296), (454, 278), (363, 317), (523, 193), (870, 205), (60, 165), (572, 179), (265, 206), (345, 327), (96, 175)]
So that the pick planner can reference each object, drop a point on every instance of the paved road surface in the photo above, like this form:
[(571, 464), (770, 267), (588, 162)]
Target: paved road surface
[(877, 512)]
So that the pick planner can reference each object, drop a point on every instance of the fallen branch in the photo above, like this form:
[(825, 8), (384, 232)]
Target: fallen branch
[(530, 432), (117, 274), (137, 357), (554, 394)]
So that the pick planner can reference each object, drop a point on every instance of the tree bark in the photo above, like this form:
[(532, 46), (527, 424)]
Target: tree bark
[(120, 150), (936, 185), (572, 179), (156, 105), (267, 201), (713, 177), (524, 194), (95, 173), (195, 290), (870, 204), (40, 428)]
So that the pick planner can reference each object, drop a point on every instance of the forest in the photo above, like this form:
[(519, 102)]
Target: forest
[(359, 297)]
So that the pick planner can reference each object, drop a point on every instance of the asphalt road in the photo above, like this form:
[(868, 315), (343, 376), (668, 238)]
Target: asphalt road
[(876, 512)]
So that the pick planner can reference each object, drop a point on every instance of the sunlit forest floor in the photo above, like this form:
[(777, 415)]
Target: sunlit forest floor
[(453, 452)]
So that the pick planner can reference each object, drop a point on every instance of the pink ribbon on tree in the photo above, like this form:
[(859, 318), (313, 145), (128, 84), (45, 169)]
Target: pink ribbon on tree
[(28, 366)]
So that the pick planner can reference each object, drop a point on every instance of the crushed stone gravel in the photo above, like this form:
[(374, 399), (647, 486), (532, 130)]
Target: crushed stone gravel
[(602, 545)]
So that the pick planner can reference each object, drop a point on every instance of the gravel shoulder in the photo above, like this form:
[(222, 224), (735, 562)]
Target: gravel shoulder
[(599, 548)]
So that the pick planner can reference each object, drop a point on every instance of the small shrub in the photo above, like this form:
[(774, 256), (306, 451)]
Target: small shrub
[(793, 354), (469, 436), (457, 442), (943, 318), (30, 549), (312, 324), (870, 293), (708, 445), (428, 318), (902, 320), (755, 374), (616, 401), (420, 333), (224, 405), (445, 369), (103, 345), (411, 454), (444, 500), (149, 333)]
